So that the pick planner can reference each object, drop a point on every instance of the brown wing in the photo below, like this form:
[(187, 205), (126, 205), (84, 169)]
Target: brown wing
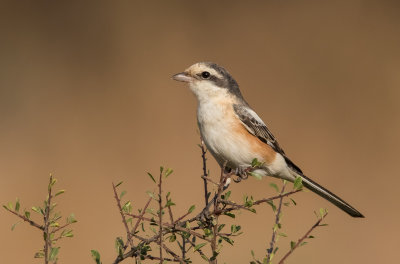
[(256, 127)]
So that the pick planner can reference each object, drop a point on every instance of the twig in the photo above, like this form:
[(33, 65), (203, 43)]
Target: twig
[(46, 217), (128, 233), (160, 217), (205, 174), (176, 227), (276, 197), (276, 225), (32, 223), (141, 214), (176, 257), (306, 235)]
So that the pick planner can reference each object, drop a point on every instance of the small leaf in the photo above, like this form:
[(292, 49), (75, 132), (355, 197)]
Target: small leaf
[(71, 219), (220, 227), (229, 214), (151, 177), (118, 184), (96, 256), (119, 246), (161, 169), (27, 214), (292, 244), (39, 254), (59, 192), (191, 209), (297, 184), (273, 185), (10, 206), (310, 236), (303, 243), (168, 172), (256, 175), (14, 225), (17, 205), (282, 234), (197, 247), (53, 253), (227, 239), (122, 194), (36, 209), (293, 201), (152, 195)]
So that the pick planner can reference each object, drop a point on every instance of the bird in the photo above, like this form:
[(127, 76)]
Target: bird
[(236, 136)]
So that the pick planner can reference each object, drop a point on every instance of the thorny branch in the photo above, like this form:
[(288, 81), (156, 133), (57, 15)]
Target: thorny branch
[(276, 225), (190, 229), (305, 236)]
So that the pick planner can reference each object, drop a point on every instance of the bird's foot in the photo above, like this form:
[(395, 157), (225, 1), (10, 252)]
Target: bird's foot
[(242, 173)]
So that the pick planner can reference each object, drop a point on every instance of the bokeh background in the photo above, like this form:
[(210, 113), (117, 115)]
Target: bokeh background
[(86, 94)]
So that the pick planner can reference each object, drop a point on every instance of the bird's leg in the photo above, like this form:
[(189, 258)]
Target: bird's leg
[(241, 171)]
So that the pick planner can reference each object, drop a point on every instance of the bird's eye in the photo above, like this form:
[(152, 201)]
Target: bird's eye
[(205, 74)]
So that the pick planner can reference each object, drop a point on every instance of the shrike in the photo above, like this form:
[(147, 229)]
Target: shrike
[(235, 135)]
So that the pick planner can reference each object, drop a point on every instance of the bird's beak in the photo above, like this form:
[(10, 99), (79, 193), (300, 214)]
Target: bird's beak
[(182, 77)]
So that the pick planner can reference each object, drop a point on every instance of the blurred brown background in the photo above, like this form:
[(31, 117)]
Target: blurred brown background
[(86, 93)]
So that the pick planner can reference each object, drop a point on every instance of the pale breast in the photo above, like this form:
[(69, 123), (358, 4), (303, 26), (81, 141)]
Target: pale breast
[(227, 139)]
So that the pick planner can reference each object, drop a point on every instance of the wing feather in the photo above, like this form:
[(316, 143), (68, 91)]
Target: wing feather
[(255, 126)]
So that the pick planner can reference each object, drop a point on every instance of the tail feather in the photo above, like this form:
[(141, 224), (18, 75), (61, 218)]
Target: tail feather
[(321, 191)]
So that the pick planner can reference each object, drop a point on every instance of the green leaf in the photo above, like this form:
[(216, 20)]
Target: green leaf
[(67, 233), (59, 192), (122, 194), (152, 195), (273, 185), (27, 214), (227, 239), (271, 203), (71, 219), (220, 227), (39, 254), (10, 206), (255, 163), (168, 172), (127, 207), (226, 195), (205, 258), (37, 210), (14, 225), (256, 175), (151, 177), (119, 246), (191, 209), (229, 214), (172, 238), (297, 184), (52, 182), (293, 201), (118, 184), (322, 212), (303, 243), (17, 205), (310, 236), (282, 234), (292, 244), (96, 256), (161, 169), (53, 253), (197, 247)]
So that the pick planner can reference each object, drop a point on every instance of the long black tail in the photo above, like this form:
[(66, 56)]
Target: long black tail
[(321, 191)]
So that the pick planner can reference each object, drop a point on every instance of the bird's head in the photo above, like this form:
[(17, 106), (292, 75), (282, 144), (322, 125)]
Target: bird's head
[(207, 79)]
